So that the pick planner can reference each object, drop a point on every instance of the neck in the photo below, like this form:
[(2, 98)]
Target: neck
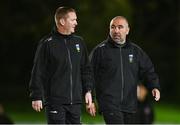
[(120, 42), (63, 31)]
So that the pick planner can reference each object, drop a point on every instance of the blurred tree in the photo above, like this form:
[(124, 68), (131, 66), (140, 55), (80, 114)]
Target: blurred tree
[(23, 23), (94, 18), (156, 25)]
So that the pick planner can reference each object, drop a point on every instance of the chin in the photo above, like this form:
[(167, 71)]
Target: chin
[(116, 40), (72, 31)]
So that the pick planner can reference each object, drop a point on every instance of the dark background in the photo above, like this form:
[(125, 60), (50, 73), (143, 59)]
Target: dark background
[(155, 26)]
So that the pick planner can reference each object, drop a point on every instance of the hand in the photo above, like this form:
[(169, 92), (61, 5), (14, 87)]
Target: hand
[(156, 94), (37, 105), (88, 98), (91, 110)]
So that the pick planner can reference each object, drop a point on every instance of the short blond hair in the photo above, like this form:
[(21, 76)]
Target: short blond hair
[(61, 12)]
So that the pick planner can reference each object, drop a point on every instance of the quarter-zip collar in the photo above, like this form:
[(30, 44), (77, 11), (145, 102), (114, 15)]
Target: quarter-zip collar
[(62, 35), (55, 32)]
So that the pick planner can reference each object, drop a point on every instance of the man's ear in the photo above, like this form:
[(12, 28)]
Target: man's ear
[(61, 21)]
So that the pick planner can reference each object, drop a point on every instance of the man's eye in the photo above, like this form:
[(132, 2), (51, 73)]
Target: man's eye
[(113, 27), (120, 27)]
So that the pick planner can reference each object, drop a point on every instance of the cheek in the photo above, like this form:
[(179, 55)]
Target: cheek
[(72, 24), (124, 33), (111, 31), (127, 32)]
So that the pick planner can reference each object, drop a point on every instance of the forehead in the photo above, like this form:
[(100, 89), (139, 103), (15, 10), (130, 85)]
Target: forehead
[(71, 15), (118, 21)]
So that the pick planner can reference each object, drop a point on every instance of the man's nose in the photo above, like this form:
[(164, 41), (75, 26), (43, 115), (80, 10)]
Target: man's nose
[(76, 23), (116, 29)]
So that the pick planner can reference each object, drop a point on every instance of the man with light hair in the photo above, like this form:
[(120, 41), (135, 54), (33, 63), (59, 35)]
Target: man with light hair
[(61, 73)]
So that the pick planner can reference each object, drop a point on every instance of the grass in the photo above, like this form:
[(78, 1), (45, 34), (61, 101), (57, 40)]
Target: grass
[(87, 119), (23, 114), (167, 113)]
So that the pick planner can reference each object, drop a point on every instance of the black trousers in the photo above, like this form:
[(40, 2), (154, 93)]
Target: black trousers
[(63, 114), (117, 117)]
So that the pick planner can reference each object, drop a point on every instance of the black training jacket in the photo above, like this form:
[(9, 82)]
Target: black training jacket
[(117, 71), (61, 70)]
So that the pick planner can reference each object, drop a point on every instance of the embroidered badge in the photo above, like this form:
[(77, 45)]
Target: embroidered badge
[(77, 47), (130, 58)]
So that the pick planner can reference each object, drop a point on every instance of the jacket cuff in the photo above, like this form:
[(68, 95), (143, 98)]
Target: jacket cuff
[(36, 98)]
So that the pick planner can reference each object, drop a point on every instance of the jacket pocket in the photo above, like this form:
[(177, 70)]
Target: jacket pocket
[(55, 113)]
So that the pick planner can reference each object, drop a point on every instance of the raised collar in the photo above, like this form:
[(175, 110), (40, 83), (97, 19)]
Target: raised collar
[(114, 44), (55, 32)]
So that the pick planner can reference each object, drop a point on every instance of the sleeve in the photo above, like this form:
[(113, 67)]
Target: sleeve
[(94, 62), (39, 74), (95, 65), (147, 71), (86, 71)]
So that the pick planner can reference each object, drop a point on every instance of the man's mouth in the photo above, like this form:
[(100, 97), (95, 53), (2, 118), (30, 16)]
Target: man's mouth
[(116, 36)]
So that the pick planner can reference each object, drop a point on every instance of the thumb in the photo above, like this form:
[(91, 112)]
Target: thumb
[(88, 99)]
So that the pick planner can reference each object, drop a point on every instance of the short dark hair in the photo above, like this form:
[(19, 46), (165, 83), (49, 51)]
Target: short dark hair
[(121, 17), (61, 12)]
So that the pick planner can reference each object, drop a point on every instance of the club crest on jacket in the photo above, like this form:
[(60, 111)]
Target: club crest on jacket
[(77, 47), (130, 58)]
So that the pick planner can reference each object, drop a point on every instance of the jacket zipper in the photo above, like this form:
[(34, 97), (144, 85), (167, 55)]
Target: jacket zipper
[(70, 62), (122, 75)]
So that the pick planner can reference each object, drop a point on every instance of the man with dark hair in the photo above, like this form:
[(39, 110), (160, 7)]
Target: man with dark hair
[(61, 72), (118, 66)]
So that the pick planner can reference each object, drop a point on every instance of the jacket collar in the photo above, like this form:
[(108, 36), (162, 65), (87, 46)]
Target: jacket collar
[(55, 32)]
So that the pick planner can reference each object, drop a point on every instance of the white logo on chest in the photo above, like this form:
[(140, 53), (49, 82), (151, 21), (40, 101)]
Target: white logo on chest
[(130, 58), (78, 47)]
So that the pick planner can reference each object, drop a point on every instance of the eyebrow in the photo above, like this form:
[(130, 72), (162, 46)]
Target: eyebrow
[(117, 25)]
